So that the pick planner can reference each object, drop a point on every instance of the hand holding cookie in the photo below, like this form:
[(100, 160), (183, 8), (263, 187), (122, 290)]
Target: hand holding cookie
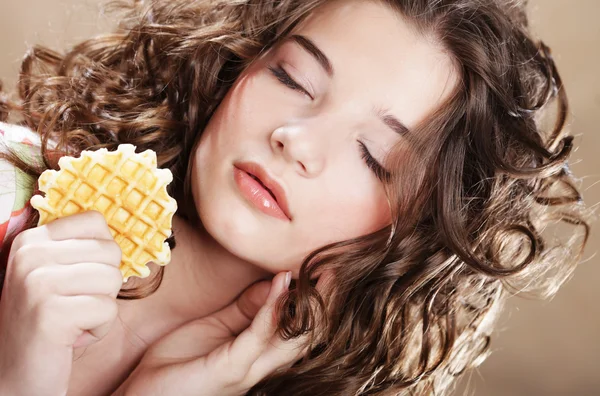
[(104, 216), (127, 189), (59, 293)]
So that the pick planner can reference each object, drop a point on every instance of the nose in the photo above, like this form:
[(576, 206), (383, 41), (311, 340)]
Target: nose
[(294, 144)]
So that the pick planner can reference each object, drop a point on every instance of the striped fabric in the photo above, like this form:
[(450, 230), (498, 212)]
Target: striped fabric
[(16, 187)]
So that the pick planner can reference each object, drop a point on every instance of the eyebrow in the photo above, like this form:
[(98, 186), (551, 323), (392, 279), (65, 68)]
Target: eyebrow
[(393, 123), (312, 49), (307, 44)]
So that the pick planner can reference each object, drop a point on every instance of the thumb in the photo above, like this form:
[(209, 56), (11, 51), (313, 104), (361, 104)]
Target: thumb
[(238, 315)]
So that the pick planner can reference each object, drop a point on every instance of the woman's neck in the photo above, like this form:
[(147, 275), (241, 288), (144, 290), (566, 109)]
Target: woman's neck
[(201, 278)]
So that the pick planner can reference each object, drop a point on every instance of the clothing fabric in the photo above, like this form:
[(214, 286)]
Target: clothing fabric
[(16, 187)]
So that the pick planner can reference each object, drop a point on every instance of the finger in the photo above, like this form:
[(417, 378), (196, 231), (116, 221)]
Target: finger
[(72, 251), (90, 224), (284, 353), (238, 315), (85, 225), (67, 252), (84, 340), (249, 345), (95, 314), (79, 279), (279, 354)]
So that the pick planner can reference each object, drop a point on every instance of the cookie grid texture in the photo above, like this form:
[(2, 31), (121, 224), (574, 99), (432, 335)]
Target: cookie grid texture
[(127, 189)]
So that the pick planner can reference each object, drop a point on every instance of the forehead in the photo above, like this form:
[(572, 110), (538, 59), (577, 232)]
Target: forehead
[(377, 55)]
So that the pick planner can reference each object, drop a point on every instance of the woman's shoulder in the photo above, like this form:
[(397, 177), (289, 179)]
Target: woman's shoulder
[(16, 187)]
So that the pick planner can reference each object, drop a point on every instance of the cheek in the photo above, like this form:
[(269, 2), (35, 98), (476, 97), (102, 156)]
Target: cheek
[(340, 216), (355, 199), (361, 217), (252, 107)]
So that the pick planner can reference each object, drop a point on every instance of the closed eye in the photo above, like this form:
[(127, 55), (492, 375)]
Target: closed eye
[(381, 173), (288, 81)]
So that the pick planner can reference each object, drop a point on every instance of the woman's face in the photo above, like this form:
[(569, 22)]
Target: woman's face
[(309, 136)]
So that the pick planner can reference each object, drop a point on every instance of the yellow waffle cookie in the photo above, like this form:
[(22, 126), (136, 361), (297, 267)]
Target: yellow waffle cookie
[(127, 189)]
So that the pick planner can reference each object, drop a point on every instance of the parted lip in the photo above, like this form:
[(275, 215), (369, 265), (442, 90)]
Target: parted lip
[(268, 181)]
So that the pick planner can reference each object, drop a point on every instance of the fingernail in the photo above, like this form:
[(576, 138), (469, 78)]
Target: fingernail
[(287, 280)]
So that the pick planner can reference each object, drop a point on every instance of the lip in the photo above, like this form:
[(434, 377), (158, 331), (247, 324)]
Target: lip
[(265, 202)]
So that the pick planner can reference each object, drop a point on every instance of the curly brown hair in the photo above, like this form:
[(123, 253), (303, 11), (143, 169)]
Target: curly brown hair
[(414, 303)]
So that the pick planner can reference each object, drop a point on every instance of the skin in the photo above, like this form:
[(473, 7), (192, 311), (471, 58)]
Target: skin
[(309, 142)]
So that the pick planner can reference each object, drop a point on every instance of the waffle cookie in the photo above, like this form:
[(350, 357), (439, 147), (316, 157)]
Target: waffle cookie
[(127, 189)]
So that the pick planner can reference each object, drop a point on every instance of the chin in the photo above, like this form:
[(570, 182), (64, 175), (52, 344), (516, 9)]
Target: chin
[(240, 228), (245, 232)]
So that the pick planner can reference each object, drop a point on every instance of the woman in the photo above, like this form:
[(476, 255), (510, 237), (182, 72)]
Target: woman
[(405, 171)]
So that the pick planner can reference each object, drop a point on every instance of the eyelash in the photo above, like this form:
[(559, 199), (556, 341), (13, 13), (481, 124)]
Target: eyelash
[(379, 171), (286, 80), (289, 82)]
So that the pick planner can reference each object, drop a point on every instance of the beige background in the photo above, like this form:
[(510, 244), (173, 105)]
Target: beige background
[(541, 348)]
